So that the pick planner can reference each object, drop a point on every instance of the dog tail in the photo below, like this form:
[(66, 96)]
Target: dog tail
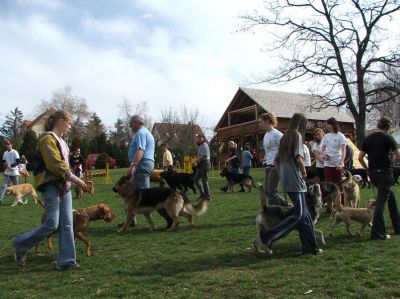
[(262, 197), (199, 209)]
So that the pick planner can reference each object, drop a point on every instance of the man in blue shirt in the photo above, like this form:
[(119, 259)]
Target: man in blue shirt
[(247, 159)]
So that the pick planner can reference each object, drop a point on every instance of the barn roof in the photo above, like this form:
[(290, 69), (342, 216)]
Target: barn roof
[(285, 104)]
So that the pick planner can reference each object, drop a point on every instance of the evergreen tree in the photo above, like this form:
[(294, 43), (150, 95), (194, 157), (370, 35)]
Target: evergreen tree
[(28, 145), (12, 128)]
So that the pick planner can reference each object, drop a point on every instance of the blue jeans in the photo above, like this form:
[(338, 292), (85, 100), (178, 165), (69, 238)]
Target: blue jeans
[(58, 208), (300, 220), (141, 178), (8, 179)]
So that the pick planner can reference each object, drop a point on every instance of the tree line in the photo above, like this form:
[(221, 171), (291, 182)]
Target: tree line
[(88, 132)]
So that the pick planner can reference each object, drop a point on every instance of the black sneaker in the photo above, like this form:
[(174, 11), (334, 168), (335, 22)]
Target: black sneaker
[(223, 189), (242, 190), (20, 259), (68, 267)]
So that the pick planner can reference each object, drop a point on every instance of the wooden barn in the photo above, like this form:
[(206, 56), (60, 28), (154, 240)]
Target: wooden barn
[(240, 119)]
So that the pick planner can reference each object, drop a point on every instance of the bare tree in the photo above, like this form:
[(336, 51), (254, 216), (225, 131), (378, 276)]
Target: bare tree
[(64, 99), (339, 44)]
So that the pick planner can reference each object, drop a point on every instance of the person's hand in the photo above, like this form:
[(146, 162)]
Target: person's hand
[(340, 166), (303, 174), (81, 184), (326, 158), (131, 170), (8, 166)]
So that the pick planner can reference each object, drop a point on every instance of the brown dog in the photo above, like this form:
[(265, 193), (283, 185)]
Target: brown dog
[(19, 191), (82, 219), (362, 215), (90, 188), (146, 201), (351, 191)]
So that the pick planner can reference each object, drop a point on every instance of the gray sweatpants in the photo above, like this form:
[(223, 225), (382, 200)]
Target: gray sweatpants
[(201, 178), (271, 184)]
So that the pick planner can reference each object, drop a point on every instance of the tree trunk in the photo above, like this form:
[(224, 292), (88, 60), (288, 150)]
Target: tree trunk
[(360, 128)]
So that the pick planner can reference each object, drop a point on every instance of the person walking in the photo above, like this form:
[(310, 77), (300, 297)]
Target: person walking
[(203, 167), (292, 171), (76, 162), (319, 153), (380, 147), (247, 159), (272, 137), (53, 178), (11, 161)]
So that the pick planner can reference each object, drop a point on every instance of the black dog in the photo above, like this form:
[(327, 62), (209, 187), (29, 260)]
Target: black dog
[(234, 179), (181, 181), (363, 174)]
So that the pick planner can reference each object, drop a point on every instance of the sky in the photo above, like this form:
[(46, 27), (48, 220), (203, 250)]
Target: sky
[(166, 53)]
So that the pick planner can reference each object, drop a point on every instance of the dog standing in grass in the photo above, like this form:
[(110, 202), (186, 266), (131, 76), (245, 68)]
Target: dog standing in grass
[(19, 191), (351, 191)]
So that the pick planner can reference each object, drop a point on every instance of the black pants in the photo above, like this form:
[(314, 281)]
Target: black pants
[(300, 220), (383, 180)]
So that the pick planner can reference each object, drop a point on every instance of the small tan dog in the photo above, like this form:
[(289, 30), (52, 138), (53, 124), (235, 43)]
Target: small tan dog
[(351, 191), (361, 215), (19, 191), (91, 187)]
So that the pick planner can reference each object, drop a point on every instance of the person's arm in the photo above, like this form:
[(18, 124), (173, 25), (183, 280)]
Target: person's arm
[(343, 156), (300, 164), (361, 157), (16, 163), (231, 158), (396, 153), (136, 159), (317, 156)]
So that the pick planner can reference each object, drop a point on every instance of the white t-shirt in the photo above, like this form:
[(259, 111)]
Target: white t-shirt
[(318, 148), (11, 157), (333, 142), (271, 145), (307, 157)]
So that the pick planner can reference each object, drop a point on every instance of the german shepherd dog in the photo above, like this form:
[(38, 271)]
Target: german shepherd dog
[(234, 179), (269, 216), (146, 201), (330, 196), (181, 181)]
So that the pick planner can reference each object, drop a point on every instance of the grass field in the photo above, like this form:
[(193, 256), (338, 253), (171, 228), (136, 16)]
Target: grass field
[(214, 260)]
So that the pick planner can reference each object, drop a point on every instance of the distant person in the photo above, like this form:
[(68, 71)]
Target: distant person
[(380, 148), (247, 158), (203, 167), (333, 144), (272, 138), (53, 178), (307, 157), (167, 157), (292, 171), (76, 162), (232, 160), (22, 168), (348, 160), (319, 153), (11, 161)]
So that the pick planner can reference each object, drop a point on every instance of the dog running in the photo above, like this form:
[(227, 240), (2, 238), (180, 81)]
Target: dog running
[(82, 219), (19, 191), (361, 215), (178, 180), (234, 179), (146, 201)]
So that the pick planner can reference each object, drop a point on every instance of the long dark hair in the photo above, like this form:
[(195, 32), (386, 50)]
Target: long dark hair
[(297, 125)]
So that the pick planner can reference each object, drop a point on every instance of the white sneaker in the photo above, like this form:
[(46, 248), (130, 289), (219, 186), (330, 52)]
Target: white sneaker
[(388, 237)]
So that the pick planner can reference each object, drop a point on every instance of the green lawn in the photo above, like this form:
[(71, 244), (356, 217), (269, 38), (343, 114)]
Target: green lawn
[(214, 260)]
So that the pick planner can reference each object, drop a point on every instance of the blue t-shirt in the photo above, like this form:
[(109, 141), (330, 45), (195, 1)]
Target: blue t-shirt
[(142, 140), (247, 157)]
